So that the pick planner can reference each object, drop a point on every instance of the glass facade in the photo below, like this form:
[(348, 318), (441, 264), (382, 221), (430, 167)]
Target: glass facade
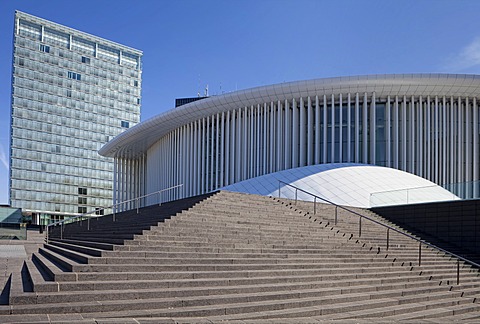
[(71, 93)]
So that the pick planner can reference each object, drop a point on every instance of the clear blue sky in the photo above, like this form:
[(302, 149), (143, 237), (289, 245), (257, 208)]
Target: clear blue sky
[(233, 45)]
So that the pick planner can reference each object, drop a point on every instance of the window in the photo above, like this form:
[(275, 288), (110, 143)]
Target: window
[(85, 60), (82, 191), (99, 211), (82, 200), (135, 83), (69, 93), (45, 48), (21, 62), (58, 149), (75, 76), (82, 210), (138, 101), (125, 124)]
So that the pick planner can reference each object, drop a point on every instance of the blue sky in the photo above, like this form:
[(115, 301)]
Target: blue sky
[(232, 45)]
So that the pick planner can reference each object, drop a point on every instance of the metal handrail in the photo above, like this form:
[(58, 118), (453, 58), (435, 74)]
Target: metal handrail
[(113, 207), (388, 227)]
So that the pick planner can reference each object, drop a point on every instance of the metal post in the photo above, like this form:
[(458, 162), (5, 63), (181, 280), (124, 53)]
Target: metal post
[(296, 193), (314, 205), (336, 207), (47, 233), (279, 184), (159, 197), (388, 237), (136, 202), (458, 272), (88, 223), (420, 254), (61, 231), (360, 227)]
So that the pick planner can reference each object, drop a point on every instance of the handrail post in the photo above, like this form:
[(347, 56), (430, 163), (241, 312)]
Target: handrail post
[(336, 207), (314, 205), (61, 231), (88, 223), (46, 232), (360, 227), (419, 254), (136, 202), (279, 186), (388, 237), (296, 194)]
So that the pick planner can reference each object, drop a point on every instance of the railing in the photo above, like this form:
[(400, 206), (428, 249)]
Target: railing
[(409, 195), (99, 212), (388, 227), (464, 190)]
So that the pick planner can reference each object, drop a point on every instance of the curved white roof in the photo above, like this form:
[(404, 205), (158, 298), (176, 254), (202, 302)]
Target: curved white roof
[(139, 138), (347, 184)]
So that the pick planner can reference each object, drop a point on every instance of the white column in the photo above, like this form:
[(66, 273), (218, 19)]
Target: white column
[(404, 133), (202, 158), (365, 128), (421, 126), (396, 156), (453, 169), (260, 133), (436, 139), (357, 128), (265, 137), (349, 129), (271, 164), (340, 129), (302, 135), (317, 131), (468, 143), (295, 126), (239, 157), (475, 141), (332, 130), (218, 152), (309, 143), (325, 128), (412, 136), (222, 151), (388, 137), (251, 167), (288, 138), (245, 158), (460, 145), (280, 136), (444, 141), (373, 130)]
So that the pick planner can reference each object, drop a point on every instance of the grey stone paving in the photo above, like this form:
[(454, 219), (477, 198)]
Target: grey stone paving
[(14, 252)]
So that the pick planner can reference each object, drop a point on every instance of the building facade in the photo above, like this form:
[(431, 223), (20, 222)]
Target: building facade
[(71, 93), (427, 125)]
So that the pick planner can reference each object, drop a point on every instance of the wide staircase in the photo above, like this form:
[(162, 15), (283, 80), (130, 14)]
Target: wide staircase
[(239, 258)]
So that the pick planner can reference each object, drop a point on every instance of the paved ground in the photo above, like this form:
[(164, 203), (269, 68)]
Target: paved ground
[(14, 252)]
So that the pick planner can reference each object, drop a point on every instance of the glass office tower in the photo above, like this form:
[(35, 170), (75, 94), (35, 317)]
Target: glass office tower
[(71, 93)]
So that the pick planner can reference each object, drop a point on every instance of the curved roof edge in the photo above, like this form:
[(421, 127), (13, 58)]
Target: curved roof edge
[(346, 184), (139, 138)]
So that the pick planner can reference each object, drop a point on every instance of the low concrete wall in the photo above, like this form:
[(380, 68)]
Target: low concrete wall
[(454, 225)]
